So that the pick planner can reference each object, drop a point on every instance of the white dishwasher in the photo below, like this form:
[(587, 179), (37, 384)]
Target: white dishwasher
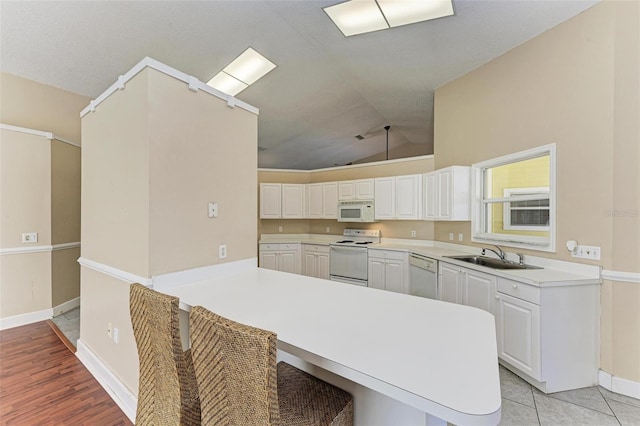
[(423, 276)]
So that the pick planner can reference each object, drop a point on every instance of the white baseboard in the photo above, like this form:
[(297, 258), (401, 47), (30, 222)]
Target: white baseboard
[(66, 306), (114, 387), (25, 319), (619, 385)]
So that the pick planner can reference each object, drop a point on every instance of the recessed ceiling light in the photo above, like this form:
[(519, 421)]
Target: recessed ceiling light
[(246, 69), (361, 16)]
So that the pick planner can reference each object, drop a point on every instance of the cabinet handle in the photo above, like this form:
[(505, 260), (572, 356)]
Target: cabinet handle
[(514, 285), (497, 297)]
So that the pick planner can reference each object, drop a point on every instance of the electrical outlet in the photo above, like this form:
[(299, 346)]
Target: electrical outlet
[(116, 335), (586, 252), (30, 237), (413, 234), (460, 237), (279, 228), (213, 209), (222, 251), (327, 230), (451, 236)]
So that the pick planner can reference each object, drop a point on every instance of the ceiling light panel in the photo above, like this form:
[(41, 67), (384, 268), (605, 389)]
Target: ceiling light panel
[(227, 84), (403, 12), (357, 17), (249, 66)]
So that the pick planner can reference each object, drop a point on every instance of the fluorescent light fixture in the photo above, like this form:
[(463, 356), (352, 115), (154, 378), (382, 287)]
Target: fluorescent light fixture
[(410, 11), (227, 84), (357, 17), (361, 16), (246, 69)]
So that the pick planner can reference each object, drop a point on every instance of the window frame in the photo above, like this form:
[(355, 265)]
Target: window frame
[(479, 217)]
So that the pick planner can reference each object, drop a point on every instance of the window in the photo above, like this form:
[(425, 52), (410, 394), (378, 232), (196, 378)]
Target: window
[(514, 200), (525, 214)]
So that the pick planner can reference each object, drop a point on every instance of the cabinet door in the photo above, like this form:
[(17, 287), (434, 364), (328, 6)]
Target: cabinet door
[(385, 198), (293, 201), (376, 273), (314, 201), (518, 328), (309, 266), (288, 262), (346, 190), (480, 290), (450, 283), (394, 277), (270, 200), (330, 200), (365, 189), (431, 196), (269, 260), (322, 265), (445, 188), (408, 201)]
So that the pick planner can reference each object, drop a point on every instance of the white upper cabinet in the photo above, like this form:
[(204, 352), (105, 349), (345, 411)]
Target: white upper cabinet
[(409, 197), (447, 194), (293, 201), (270, 201), (398, 197), (282, 201), (385, 198), (330, 200), (314, 201), (361, 189), (322, 200)]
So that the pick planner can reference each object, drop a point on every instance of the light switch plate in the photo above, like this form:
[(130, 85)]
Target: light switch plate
[(222, 251)]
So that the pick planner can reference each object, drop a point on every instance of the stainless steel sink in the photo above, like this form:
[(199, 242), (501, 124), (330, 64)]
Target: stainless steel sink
[(490, 262)]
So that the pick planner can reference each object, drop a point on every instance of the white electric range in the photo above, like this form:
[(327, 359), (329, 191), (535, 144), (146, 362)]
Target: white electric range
[(349, 259)]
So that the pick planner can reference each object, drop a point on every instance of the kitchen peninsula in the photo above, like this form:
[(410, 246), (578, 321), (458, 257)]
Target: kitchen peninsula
[(389, 350)]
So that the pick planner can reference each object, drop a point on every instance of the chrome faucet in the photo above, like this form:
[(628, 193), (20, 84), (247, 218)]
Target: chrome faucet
[(500, 253)]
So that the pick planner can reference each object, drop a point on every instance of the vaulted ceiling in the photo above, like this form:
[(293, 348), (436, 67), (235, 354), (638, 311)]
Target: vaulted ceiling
[(326, 88)]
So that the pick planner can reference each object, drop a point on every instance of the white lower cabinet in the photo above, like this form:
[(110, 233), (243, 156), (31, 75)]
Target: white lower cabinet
[(283, 257), (467, 287), (315, 260), (518, 334), (547, 334), (389, 270)]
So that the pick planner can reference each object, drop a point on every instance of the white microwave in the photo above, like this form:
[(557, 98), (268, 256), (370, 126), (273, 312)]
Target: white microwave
[(355, 211)]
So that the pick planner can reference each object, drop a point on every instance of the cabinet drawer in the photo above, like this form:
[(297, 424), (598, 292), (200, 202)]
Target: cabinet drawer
[(519, 290), (281, 246), (316, 248), (388, 254), (292, 246)]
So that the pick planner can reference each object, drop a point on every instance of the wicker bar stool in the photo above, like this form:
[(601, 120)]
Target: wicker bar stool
[(240, 384), (167, 391)]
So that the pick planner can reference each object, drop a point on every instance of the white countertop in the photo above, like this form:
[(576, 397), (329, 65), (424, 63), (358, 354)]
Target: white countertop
[(553, 273), (438, 357)]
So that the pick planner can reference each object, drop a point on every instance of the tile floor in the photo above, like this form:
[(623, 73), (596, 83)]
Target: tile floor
[(522, 404), (69, 323)]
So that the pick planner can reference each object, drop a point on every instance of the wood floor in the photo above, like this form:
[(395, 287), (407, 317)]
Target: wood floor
[(43, 383)]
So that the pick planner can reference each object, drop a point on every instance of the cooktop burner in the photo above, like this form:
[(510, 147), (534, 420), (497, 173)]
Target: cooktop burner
[(344, 241), (364, 242)]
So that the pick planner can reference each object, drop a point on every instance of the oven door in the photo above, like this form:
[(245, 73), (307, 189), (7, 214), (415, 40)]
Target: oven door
[(348, 262)]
